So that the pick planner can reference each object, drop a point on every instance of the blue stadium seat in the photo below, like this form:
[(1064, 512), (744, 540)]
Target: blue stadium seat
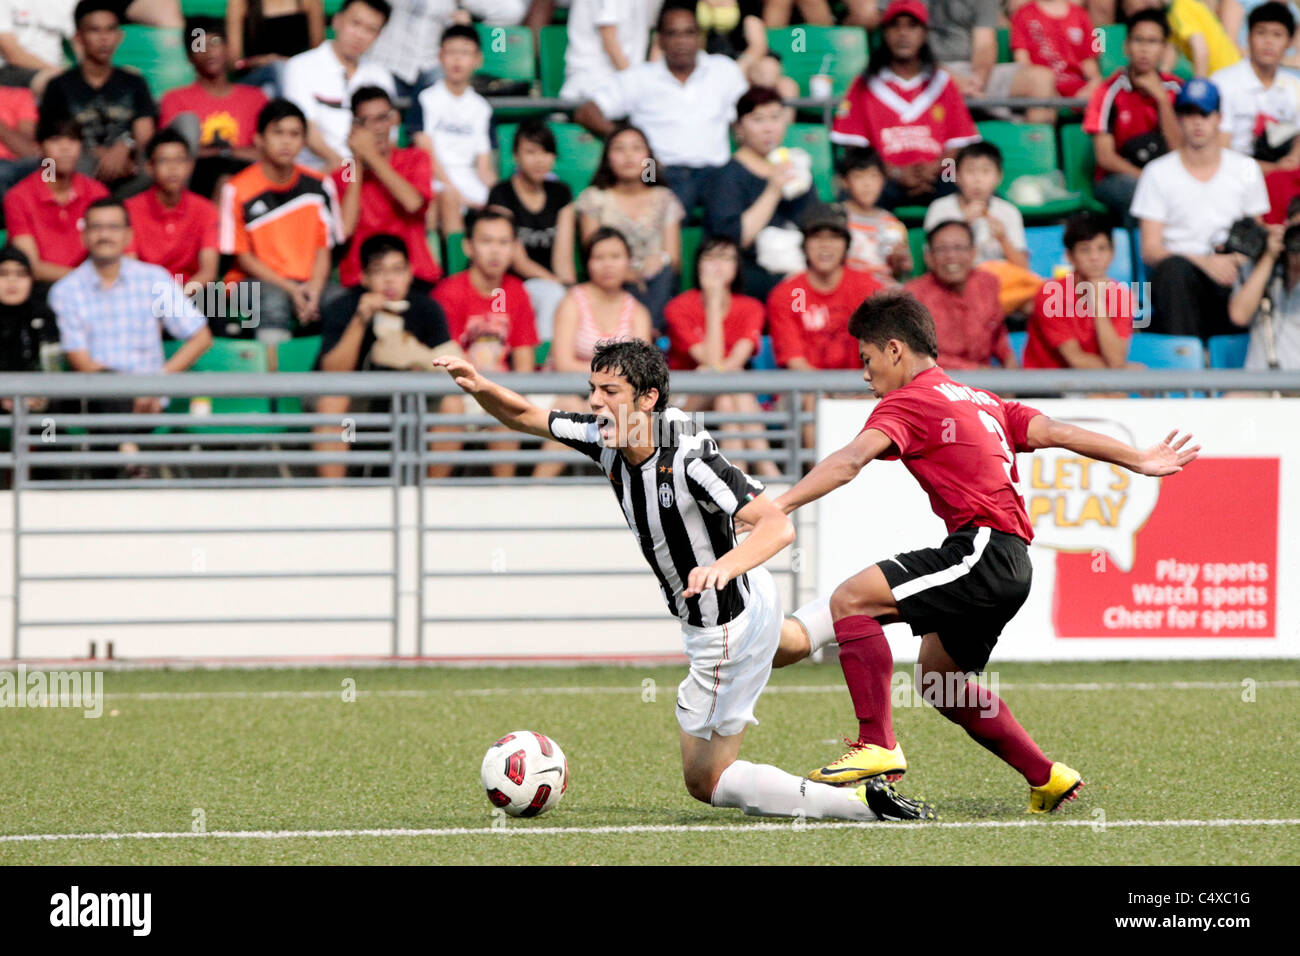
[(765, 358), (1228, 351), (1046, 249), (1167, 351), (1018, 342), (1121, 267)]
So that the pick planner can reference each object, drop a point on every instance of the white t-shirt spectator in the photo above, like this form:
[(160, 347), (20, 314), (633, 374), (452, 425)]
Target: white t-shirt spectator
[(408, 45), (1244, 99), (40, 28), (1197, 215), (987, 248), (317, 82), (458, 126), (499, 13), (687, 123), (586, 65)]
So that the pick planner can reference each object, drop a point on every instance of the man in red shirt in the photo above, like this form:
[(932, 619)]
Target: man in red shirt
[(964, 300), (45, 212), (908, 109), (488, 310), (218, 116), (960, 444), (19, 153), (808, 314), (1057, 34), (384, 189), (173, 227), (1131, 114)]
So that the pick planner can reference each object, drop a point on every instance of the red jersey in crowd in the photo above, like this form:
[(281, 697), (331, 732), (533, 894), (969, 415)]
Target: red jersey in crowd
[(31, 210), (172, 237), (1062, 314), (1118, 109), (907, 121), (17, 106), (968, 321), (488, 327), (380, 213), (959, 443), (229, 120), (1059, 43), (687, 326), (813, 325)]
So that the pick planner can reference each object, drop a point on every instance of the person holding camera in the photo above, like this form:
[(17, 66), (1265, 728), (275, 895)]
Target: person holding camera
[(1187, 202), (1266, 299)]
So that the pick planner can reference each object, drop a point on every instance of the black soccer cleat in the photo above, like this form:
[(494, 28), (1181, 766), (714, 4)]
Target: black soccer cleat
[(887, 803)]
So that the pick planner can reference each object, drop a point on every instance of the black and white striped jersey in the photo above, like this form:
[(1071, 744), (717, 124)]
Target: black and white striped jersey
[(679, 503)]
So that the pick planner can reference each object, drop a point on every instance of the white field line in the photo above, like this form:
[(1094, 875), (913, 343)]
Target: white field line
[(636, 689), (528, 830)]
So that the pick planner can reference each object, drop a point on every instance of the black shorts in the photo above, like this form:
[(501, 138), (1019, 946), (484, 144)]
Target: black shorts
[(965, 590)]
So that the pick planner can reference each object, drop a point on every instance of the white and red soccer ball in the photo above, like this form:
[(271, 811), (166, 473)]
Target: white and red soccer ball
[(525, 773)]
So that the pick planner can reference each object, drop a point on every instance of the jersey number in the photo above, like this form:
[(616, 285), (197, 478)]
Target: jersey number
[(992, 425)]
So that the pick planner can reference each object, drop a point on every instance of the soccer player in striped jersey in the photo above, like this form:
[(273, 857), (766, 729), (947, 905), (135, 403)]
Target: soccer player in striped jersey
[(959, 443), (681, 499)]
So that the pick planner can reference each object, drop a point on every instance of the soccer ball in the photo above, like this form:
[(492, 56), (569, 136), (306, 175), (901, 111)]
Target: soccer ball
[(525, 773)]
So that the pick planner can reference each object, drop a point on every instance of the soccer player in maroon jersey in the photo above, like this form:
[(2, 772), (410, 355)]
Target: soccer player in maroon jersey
[(959, 443)]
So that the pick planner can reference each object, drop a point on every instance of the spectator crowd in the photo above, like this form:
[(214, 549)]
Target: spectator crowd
[(344, 173)]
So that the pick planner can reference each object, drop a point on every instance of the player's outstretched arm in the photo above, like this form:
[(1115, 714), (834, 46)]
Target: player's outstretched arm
[(509, 408), (772, 531), (1164, 458), (836, 469)]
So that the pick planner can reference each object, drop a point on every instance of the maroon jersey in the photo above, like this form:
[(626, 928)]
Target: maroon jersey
[(959, 443)]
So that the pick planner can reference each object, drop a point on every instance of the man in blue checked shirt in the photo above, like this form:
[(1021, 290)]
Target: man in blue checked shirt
[(109, 309)]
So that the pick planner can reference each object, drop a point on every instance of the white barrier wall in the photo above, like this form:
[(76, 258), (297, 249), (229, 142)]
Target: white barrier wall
[(1197, 565)]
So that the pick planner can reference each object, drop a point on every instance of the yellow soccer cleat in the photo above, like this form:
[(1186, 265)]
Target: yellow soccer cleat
[(1062, 785), (863, 761)]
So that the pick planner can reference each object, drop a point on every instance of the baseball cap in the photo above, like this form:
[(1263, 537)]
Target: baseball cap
[(913, 8), (1197, 95), (825, 217)]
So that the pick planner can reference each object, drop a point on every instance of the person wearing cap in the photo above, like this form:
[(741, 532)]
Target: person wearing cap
[(808, 314), (968, 318), (964, 38), (908, 108), (1186, 201)]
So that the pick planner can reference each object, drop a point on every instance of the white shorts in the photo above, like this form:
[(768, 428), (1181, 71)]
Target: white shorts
[(730, 664)]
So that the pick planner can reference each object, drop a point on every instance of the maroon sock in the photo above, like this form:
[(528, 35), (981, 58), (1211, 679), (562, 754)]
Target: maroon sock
[(987, 718), (868, 669)]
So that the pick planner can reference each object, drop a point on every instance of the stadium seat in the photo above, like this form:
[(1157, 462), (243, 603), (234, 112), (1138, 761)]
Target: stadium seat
[(692, 236), (1078, 161), (159, 55), (1018, 342), (541, 353), (555, 43), (456, 259), (578, 153), (1028, 149), (507, 53), (815, 138), (1121, 267), (1167, 351), (295, 355), (806, 51), (204, 8), (227, 355), (1111, 56), (1004, 45), (1046, 249), (764, 360), (911, 214), (1228, 351), (916, 242)]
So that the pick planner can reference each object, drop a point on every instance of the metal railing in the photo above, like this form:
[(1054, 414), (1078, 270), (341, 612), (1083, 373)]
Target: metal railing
[(65, 448)]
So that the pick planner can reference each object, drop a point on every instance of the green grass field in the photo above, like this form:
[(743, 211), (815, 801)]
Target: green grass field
[(269, 751)]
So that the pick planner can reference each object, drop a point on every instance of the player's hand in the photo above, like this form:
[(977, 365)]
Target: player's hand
[(1167, 458), (714, 577), (462, 372)]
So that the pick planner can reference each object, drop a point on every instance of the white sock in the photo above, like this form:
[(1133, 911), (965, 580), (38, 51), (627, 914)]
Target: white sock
[(815, 616), (764, 791)]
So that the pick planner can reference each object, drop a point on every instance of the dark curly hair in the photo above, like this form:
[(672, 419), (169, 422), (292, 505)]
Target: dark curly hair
[(641, 363)]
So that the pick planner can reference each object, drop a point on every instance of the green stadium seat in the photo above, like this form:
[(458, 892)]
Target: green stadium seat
[(227, 355), (456, 260), (916, 242), (692, 236), (332, 7), (910, 214), (507, 53), (577, 158), (1004, 45), (204, 8), (1027, 149), (1078, 161), (159, 55), (555, 43), (1111, 57), (295, 355), (806, 51), (815, 138)]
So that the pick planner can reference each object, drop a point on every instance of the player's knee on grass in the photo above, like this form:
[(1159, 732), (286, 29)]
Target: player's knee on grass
[(701, 782)]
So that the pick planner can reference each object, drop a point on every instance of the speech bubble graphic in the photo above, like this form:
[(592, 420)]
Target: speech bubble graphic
[(1078, 504)]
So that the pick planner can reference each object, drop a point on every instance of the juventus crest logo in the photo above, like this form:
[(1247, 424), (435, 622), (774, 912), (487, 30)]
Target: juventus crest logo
[(665, 495)]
